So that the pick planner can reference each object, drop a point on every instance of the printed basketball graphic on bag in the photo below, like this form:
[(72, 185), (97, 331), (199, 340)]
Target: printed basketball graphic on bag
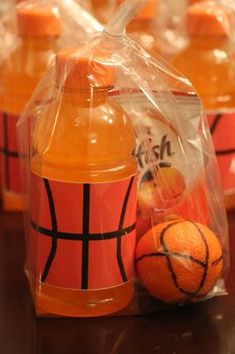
[(82, 235), (9, 153), (222, 127)]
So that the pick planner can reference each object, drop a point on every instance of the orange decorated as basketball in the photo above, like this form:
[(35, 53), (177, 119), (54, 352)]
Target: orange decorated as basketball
[(162, 191), (179, 261)]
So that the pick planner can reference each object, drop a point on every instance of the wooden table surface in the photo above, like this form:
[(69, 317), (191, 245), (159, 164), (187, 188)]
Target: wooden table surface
[(203, 328)]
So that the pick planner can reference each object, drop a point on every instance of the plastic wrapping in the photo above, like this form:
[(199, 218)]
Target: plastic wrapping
[(210, 29), (102, 9), (75, 22), (123, 206), (31, 34), (158, 27)]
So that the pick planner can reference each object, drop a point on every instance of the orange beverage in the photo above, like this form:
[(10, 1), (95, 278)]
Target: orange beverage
[(82, 243), (38, 31), (208, 61)]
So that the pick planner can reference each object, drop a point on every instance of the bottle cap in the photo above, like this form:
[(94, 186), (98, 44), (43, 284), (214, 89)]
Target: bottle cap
[(147, 12), (38, 22), (77, 70), (207, 19)]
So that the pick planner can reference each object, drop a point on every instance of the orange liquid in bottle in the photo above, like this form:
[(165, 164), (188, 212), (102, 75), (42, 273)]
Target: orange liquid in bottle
[(91, 142), (21, 72), (208, 62)]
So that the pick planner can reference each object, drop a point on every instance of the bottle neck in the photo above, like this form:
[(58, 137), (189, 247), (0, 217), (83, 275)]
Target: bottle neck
[(40, 43), (86, 98)]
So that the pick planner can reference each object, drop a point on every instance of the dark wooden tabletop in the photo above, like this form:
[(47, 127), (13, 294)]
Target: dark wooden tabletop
[(207, 327)]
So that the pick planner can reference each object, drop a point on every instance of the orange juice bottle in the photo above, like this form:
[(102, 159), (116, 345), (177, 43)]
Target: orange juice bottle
[(209, 62), (38, 31), (82, 239)]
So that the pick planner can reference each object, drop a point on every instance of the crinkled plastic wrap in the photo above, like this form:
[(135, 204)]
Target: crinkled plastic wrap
[(210, 27), (102, 9), (158, 27), (123, 206), (30, 36), (75, 22)]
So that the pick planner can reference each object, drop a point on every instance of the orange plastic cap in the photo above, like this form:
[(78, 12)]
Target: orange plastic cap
[(76, 70), (207, 19), (38, 22), (147, 12)]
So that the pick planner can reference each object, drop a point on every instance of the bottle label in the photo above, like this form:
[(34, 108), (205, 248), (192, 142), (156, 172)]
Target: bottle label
[(82, 235), (9, 153), (222, 127)]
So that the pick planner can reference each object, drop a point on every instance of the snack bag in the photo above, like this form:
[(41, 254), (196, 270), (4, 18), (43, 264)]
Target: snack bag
[(32, 34), (123, 207)]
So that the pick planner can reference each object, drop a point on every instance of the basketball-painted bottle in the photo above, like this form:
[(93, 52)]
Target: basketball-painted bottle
[(81, 247), (38, 32), (209, 62)]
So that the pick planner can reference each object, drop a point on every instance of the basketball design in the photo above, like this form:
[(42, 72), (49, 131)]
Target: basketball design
[(82, 236), (179, 261)]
